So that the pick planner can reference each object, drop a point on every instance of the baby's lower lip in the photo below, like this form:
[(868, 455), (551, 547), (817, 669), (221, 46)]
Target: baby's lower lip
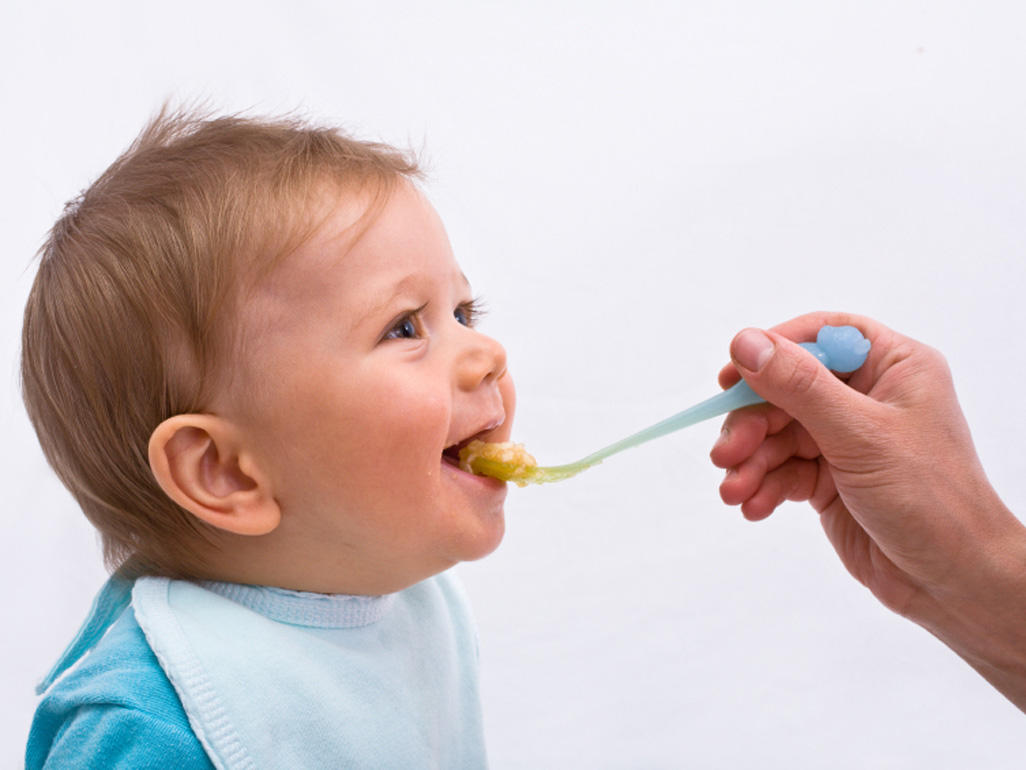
[(453, 464)]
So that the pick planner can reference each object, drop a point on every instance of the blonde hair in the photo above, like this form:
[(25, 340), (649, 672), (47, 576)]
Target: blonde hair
[(132, 308)]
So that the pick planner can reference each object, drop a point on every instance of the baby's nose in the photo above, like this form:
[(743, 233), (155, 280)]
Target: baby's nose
[(482, 361)]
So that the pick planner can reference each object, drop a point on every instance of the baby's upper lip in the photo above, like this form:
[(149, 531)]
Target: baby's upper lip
[(479, 432)]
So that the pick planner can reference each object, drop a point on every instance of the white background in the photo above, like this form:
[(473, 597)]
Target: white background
[(627, 185)]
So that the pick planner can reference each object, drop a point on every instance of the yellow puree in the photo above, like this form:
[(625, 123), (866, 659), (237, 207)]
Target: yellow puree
[(506, 461)]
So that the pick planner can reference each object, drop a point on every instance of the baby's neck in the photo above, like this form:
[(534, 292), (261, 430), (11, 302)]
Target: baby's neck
[(272, 560)]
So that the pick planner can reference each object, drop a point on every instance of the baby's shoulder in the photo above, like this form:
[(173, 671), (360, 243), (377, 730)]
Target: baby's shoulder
[(115, 709)]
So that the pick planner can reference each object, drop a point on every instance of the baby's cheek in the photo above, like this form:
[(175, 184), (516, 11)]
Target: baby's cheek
[(413, 432)]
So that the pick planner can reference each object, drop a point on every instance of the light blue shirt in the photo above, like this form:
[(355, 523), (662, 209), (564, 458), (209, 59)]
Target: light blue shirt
[(248, 676)]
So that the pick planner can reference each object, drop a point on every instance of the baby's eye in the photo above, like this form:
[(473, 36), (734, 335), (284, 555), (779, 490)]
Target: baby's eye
[(469, 313), (406, 328)]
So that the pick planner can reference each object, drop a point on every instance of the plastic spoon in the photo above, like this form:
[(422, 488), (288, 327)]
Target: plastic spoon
[(839, 348)]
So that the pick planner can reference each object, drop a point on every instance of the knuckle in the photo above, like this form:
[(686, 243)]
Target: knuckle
[(936, 360)]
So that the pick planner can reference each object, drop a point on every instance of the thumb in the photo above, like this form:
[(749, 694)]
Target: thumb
[(790, 377)]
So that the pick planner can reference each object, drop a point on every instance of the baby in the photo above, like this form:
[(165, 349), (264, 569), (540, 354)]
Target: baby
[(251, 356)]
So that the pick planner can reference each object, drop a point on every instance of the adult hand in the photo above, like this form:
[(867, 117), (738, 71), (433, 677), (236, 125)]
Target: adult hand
[(888, 462)]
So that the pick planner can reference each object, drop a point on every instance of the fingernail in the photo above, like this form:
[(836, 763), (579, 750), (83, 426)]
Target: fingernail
[(752, 349)]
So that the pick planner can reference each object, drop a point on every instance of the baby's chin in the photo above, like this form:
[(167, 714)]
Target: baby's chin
[(486, 537)]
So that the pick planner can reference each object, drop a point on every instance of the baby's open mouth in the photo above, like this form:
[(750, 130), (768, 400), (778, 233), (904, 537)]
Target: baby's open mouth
[(451, 454)]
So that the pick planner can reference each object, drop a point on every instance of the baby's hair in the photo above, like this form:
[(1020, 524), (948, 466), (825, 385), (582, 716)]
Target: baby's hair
[(130, 319)]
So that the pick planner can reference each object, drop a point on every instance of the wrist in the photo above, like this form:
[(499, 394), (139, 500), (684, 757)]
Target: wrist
[(980, 610)]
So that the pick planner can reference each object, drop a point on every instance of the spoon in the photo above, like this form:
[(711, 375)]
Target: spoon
[(839, 348)]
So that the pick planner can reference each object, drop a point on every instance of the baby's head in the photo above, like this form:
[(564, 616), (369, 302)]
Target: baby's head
[(249, 353)]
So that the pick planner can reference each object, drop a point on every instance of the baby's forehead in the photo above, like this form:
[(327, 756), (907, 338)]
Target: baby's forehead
[(360, 248), (316, 249), (315, 236), (359, 231)]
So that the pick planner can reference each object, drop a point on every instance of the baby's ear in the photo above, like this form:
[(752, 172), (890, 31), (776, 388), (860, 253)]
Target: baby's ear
[(200, 463)]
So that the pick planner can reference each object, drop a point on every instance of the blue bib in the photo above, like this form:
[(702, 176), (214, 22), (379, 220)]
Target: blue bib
[(276, 678)]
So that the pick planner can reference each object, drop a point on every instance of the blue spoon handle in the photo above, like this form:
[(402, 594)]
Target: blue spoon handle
[(840, 348)]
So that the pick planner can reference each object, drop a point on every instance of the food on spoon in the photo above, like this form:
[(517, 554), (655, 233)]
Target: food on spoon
[(506, 461)]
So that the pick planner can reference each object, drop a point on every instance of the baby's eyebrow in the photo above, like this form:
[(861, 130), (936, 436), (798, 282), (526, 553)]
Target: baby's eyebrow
[(372, 309), (405, 285)]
